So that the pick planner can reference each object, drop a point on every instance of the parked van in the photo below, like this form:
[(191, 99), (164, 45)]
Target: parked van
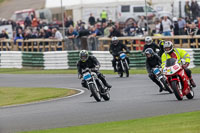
[(133, 12)]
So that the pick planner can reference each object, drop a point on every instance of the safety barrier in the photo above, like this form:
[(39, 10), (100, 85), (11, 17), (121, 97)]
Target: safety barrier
[(56, 60), (196, 57), (33, 60), (11, 59), (69, 59)]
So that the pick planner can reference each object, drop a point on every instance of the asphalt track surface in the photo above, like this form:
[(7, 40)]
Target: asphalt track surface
[(133, 97)]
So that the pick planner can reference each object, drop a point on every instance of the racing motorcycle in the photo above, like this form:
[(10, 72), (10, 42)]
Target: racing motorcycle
[(178, 79), (157, 71), (122, 64), (95, 85)]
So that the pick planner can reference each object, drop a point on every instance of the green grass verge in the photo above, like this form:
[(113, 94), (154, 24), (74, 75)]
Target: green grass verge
[(176, 123), (72, 71), (11, 96)]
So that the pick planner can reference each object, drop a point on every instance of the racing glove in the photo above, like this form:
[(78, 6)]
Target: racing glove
[(186, 65)]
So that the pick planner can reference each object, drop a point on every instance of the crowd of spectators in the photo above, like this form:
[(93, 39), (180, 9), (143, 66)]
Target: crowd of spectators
[(104, 26)]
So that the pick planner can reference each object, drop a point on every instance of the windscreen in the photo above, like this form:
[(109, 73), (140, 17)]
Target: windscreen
[(170, 62)]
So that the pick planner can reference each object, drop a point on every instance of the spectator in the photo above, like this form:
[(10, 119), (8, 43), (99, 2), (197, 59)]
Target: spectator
[(192, 30), (69, 22), (19, 36), (166, 23), (91, 19), (4, 35), (94, 32), (27, 22), (187, 9), (57, 34), (158, 27), (181, 25), (142, 23), (114, 32), (104, 16), (176, 29), (72, 33), (194, 9), (34, 22)]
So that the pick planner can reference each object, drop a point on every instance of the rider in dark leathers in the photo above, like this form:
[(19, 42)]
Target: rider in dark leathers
[(152, 61), (116, 47), (88, 61)]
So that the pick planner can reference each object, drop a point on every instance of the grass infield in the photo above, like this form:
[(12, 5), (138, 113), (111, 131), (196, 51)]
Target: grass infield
[(12, 96), (72, 71), (175, 123)]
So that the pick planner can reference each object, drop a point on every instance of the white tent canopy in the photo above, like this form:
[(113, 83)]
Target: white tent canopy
[(70, 3)]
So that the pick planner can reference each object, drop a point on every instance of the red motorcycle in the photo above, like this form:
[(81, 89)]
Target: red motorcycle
[(178, 79)]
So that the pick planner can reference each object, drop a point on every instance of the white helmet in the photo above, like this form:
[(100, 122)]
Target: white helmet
[(148, 40), (175, 19), (115, 40), (168, 47)]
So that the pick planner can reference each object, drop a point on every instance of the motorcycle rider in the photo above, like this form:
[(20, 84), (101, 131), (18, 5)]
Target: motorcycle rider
[(116, 47), (179, 54), (152, 61), (88, 61), (150, 44)]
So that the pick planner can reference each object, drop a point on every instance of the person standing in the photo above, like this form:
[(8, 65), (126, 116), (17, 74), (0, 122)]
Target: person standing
[(166, 23), (187, 9), (182, 26), (104, 16), (91, 19)]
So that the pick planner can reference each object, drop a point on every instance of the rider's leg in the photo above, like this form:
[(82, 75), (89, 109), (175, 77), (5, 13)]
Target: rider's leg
[(84, 84), (189, 74), (153, 78), (102, 78), (114, 64)]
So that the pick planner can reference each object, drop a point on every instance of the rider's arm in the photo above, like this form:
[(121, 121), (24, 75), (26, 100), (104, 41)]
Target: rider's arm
[(125, 47), (163, 58), (79, 68), (148, 67), (184, 55), (96, 62)]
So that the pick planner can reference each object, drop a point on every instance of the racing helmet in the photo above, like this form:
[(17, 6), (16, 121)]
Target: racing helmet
[(168, 47), (149, 52), (115, 40), (83, 55), (148, 40)]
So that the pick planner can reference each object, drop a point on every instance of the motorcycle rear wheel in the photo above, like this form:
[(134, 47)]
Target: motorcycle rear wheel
[(106, 96), (177, 91), (94, 92)]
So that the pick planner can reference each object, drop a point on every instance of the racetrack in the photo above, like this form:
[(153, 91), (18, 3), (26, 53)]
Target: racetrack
[(134, 97)]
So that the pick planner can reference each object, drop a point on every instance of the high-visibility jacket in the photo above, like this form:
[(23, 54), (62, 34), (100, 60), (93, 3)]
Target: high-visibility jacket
[(104, 15), (180, 54)]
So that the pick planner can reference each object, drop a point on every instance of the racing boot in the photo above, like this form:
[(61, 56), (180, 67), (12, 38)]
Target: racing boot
[(192, 83)]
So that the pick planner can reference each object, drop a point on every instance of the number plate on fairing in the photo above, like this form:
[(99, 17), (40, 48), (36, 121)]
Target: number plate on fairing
[(87, 76), (122, 56)]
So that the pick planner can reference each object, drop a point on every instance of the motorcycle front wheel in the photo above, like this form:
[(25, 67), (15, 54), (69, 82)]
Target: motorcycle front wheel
[(126, 70), (166, 85), (191, 94), (176, 89), (95, 93)]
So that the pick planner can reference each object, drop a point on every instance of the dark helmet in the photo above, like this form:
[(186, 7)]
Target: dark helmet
[(149, 53), (83, 55)]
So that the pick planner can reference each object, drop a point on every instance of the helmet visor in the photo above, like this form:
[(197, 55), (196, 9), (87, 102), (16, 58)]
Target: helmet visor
[(167, 49), (83, 57)]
